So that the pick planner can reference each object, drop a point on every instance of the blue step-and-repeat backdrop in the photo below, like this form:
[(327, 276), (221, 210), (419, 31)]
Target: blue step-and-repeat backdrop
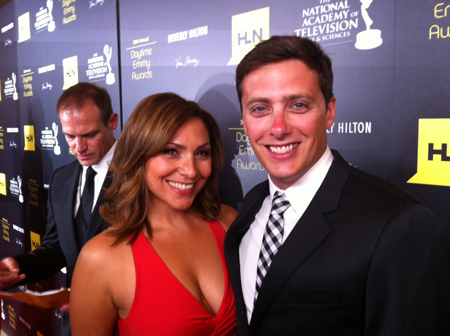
[(392, 82)]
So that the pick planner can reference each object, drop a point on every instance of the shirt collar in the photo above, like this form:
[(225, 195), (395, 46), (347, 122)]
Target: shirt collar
[(103, 165), (304, 189)]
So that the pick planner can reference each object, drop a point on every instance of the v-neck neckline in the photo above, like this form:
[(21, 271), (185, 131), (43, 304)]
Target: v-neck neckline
[(222, 258)]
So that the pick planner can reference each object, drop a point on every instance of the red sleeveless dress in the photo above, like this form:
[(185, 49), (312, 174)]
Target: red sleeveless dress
[(162, 306)]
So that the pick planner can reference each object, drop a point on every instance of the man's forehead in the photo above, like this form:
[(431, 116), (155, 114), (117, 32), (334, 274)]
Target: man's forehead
[(291, 72), (80, 121), (74, 107), (85, 110)]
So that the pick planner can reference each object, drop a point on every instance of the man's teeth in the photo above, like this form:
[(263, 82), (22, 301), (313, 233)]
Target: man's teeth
[(282, 149), (181, 186)]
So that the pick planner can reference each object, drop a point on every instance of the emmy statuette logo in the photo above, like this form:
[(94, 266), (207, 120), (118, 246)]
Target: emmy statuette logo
[(51, 23), (14, 79), (369, 38), (110, 78), (56, 149), (19, 182)]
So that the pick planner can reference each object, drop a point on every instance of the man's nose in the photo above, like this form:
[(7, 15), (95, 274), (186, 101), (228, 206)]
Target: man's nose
[(80, 145), (280, 125)]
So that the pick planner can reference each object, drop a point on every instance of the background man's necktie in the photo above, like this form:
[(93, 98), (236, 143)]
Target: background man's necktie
[(87, 198)]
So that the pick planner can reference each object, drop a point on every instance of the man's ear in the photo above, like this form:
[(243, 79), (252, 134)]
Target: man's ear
[(113, 121), (331, 113), (243, 124)]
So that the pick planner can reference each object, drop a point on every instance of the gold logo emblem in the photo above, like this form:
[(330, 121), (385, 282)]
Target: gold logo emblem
[(433, 154), (2, 184), (35, 240), (29, 138)]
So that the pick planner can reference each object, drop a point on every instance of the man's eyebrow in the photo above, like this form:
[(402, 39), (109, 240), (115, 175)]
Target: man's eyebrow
[(286, 98), (257, 100), (91, 133), (299, 96)]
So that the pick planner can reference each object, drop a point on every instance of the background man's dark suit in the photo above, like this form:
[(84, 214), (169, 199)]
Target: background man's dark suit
[(344, 268), (60, 247), (88, 124)]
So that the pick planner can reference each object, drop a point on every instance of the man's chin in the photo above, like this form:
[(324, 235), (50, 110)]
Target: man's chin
[(86, 162)]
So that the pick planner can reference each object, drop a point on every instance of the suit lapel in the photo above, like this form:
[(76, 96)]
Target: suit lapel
[(68, 187), (252, 204), (96, 218), (309, 232)]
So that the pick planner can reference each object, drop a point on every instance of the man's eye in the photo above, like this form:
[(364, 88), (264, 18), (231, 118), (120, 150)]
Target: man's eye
[(299, 105), (259, 109)]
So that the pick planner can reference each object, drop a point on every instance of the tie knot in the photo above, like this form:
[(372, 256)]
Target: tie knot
[(279, 203), (90, 174)]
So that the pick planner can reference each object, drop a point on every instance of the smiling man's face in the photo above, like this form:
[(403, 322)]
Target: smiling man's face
[(286, 117)]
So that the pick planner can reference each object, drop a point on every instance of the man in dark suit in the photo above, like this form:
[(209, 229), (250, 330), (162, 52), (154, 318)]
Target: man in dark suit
[(88, 123), (322, 248)]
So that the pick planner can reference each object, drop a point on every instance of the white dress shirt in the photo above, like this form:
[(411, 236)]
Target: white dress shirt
[(101, 169), (299, 195)]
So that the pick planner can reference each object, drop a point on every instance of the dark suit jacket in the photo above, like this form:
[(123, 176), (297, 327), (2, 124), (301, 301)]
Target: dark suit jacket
[(60, 247), (366, 258)]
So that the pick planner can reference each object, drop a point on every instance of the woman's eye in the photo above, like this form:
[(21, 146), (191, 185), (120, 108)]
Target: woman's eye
[(204, 153), (170, 151)]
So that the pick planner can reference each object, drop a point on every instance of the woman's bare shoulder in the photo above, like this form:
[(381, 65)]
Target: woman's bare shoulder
[(227, 216), (104, 275), (101, 248)]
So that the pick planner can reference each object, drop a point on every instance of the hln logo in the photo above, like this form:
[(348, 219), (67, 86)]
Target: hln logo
[(70, 66), (433, 159), (253, 38), (2, 184), (442, 152), (29, 137), (248, 29), (71, 73), (35, 240)]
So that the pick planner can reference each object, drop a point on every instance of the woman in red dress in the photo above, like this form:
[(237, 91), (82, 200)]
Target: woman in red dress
[(159, 269)]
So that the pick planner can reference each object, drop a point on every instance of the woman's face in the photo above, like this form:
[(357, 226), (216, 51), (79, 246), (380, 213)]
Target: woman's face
[(178, 173)]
